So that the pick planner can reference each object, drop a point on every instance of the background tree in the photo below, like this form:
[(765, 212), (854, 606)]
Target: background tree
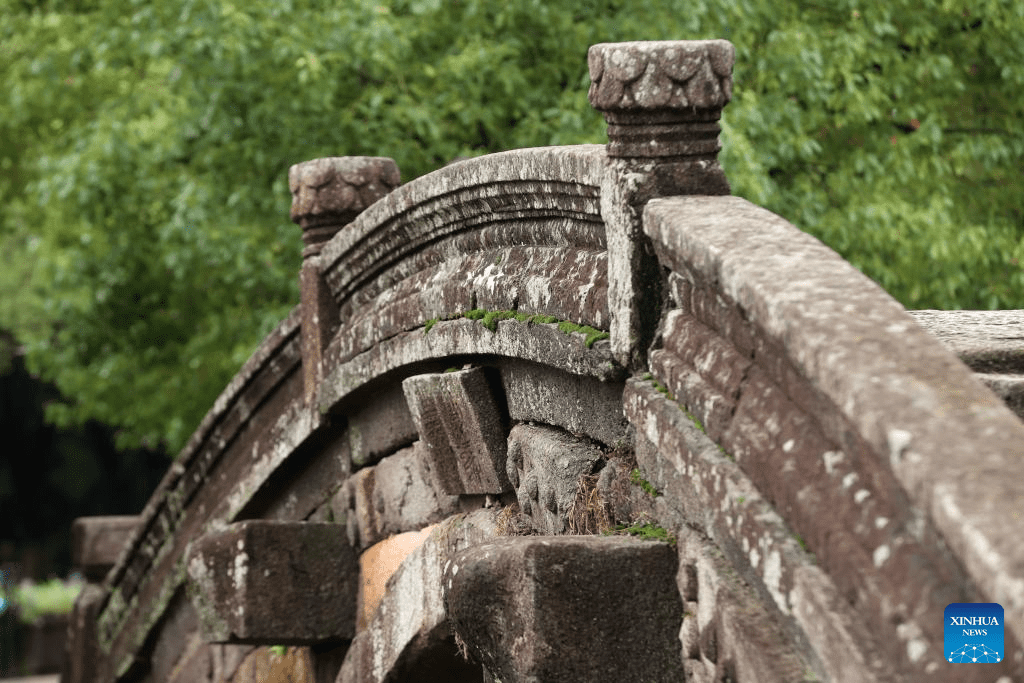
[(144, 149)]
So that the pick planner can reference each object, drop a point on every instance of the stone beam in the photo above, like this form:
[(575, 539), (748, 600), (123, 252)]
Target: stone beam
[(274, 583), (568, 608), (97, 542)]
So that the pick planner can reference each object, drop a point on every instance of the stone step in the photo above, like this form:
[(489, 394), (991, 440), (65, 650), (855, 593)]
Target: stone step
[(989, 342)]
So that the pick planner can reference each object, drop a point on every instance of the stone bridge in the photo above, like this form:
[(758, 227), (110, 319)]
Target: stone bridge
[(577, 414)]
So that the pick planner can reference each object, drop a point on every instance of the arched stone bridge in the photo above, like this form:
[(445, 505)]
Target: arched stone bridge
[(577, 414)]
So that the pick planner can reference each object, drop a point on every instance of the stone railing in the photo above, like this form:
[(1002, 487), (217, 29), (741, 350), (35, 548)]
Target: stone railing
[(503, 372)]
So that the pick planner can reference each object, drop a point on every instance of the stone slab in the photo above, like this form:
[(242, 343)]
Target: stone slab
[(462, 428), (97, 542), (579, 404), (568, 608), (269, 583)]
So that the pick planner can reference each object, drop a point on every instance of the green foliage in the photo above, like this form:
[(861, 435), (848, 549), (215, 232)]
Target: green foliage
[(35, 600), (144, 147), (646, 532), (646, 486)]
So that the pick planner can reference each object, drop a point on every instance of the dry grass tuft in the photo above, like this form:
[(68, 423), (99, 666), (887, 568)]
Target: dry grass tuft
[(588, 514), (511, 522)]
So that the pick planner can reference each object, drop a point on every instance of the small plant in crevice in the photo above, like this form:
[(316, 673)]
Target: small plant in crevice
[(588, 513), (512, 522), (664, 391), (279, 650), (646, 531), (490, 320), (646, 486)]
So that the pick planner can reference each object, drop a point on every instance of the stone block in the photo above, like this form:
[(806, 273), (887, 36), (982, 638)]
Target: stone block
[(378, 564), (268, 583), (226, 659), (195, 665), (545, 465), (395, 495), (82, 648), (568, 608), (177, 638), (459, 421), (380, 426), (577, 403), (96, 543), (407, 631), (263, 665)]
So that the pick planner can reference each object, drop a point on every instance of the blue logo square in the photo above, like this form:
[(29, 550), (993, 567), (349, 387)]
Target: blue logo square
[(973, 633)]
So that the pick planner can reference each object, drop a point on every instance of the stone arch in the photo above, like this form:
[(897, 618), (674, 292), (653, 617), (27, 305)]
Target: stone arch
[(495, 361)]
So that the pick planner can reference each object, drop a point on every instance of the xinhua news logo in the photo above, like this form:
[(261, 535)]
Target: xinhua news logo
[(973, 633)]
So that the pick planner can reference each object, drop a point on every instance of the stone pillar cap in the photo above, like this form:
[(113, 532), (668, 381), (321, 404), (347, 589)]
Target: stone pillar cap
[(667, 74), (328, 193)]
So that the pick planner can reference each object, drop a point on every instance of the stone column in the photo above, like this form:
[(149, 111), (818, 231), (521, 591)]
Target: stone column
[(327, 195), (662, 101)]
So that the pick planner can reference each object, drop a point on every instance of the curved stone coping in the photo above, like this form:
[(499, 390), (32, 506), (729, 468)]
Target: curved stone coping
[(952, 445), (526, 184), (987, 341), (566, 283), (541, 343), (276, 357)]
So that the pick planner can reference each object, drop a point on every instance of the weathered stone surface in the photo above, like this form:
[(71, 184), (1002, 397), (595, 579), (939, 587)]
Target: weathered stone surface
[(328, 193), (669, 74), (556, 608), (703, 488), (987, 341), (225, 660), (566, 282), (82, 649), (545, 465), (97, 542), (178, 640), (464, 433), (380, 425), (266, 666), (927, 424), (730, 630), (1010, 388), (262, 582), (194, 666), (303, 483), (242, 439), (377, 564), (451, 339), (393, 496), (577, 403), (409, 623)]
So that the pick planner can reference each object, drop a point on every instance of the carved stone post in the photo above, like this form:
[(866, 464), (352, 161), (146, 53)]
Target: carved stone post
[(662, 101), (327, 195)]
